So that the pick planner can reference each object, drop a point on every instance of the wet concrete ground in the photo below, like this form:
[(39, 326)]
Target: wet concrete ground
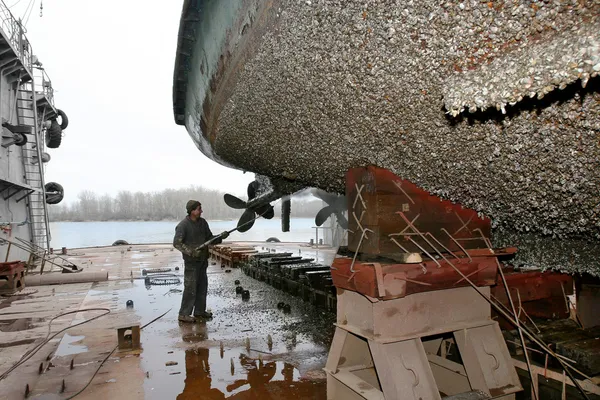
[(229, 356)]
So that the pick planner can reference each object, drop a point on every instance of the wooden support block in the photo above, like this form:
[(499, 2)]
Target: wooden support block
[(420, 314), (541, 294), (389, 281), (384, 194), (393, 355)]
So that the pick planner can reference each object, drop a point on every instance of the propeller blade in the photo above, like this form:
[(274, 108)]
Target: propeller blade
[(322, 215), (270, 213), (342, 220), (266, 211), (246, 220), (331, 199), (251, 190), (340, 203), (325, 196), (234, 202)]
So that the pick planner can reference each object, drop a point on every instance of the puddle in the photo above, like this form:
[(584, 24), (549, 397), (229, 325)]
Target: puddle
[(17, 343), (69, 346), (300, 343), (206, 373), (194, 333), (300, 339), (138, 255), (15, 325)]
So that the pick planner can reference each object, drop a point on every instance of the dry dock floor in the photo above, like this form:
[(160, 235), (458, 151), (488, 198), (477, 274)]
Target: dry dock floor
[(227, 357)]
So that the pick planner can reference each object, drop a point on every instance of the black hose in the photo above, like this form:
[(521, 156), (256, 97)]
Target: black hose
[(31, 352), (108, 356)]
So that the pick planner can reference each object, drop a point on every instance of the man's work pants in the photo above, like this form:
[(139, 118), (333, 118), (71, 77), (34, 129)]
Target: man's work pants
[(195, 286)]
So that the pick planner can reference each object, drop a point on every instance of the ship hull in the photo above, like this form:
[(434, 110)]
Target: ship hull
[(502, 120)]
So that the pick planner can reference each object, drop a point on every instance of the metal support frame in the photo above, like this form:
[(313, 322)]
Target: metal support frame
[(7, 192)]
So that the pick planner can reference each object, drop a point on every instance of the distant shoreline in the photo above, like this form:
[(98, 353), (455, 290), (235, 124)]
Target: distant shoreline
[(161, 220), (136, 220)]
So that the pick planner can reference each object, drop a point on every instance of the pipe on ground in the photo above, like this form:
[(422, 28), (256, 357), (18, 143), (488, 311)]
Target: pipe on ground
[(58, 279)]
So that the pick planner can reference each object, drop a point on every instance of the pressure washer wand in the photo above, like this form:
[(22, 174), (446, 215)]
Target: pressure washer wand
[(229, 231)]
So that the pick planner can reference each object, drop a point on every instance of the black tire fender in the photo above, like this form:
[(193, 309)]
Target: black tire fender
[(20, 139), (54, 127), (53, 135), (120, 242), (64, 120), (54, 193), (273, 240)]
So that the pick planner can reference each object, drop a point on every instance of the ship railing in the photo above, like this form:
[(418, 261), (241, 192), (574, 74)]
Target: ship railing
[(43, 84), (14, 32)]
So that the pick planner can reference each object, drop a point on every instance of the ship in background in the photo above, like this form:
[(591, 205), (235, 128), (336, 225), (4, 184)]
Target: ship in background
[(31, 127), (493, 105)]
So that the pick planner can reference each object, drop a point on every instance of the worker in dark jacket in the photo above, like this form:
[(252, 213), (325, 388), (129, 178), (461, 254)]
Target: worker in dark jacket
[(190, 234)]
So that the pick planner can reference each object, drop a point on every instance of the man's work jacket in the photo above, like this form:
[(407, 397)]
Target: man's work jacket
[(189, 235)]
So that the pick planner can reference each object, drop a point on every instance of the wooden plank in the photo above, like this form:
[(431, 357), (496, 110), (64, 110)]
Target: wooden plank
[(335, 351), (360, 386), (432, 346), (587, 385), (400, 280), (347, 386), (421, 314), (450, 377)]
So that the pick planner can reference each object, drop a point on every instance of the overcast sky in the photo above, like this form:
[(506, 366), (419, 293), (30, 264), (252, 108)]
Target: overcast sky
[(111, 65)]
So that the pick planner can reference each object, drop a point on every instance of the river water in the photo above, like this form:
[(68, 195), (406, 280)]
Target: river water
[(87, 234)]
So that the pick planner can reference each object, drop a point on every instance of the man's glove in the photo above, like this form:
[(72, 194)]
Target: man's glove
[(224, 235), (197, 252)]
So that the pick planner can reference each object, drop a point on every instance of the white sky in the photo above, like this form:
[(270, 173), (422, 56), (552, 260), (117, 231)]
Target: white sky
[(111, 65)]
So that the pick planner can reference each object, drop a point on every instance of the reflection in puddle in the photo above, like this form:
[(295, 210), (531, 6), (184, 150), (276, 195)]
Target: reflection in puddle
[(69, 346), (193, 333), (210, 376)]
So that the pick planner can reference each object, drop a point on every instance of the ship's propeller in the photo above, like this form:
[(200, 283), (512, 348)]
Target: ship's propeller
[(246, 221), (336, 204), (234, 202)]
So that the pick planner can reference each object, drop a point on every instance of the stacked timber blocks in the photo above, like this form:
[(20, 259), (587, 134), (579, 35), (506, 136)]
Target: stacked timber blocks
[(401, 239), (401, 299)]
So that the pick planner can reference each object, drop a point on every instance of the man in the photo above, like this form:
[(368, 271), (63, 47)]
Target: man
[(190, 234)]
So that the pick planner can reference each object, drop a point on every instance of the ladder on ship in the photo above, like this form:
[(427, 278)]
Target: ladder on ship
[(27, 115)]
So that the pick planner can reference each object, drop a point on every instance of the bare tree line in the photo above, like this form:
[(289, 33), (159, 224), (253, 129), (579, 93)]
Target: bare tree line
[(168, 204)]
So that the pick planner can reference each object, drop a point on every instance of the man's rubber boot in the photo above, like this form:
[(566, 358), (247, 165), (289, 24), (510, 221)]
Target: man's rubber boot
[(186, 318), (205, 315)]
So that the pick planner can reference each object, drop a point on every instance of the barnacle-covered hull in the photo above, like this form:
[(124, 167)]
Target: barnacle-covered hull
[(495, 105)]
